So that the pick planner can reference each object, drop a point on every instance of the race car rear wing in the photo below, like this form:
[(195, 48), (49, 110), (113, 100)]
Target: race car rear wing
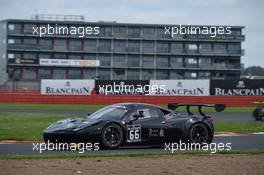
[(218, 107)]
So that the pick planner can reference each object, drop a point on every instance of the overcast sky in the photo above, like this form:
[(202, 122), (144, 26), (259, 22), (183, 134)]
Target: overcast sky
[(248, 13)]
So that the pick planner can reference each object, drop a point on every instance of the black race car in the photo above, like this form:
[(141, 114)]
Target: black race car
[(258, 113), (136, 124)]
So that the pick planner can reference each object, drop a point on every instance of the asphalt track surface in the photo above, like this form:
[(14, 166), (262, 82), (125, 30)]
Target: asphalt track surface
[(251, 141), (216, 116)]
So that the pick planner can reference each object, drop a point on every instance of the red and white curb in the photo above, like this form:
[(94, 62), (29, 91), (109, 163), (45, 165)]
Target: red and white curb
[(15, 142)]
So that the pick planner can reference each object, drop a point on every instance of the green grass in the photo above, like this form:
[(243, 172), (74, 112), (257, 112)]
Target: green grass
[(26, 126), (227, 109), (50, 106), (129, 154), (94, 107), (29, 126), (238, 126)]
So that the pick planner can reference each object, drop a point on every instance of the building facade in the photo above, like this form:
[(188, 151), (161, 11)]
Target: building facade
[(125, 51)]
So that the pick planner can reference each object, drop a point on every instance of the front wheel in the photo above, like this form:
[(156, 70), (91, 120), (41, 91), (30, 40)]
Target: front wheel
[(199, 133), (112, 136)]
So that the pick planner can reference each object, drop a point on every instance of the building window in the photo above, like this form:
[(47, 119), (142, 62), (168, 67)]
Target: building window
[(29, 56), (74, 57), (10, 56), (45, 56), (75, 45), (105, 60), (162, 62), (30, 41), (45, 73), (191, 62), (148, 32), (59, 73), (134, 32), (89, 57), (28, 28), (147, 74), (176, 62), (176, 47), (74, 73), (148, 47), (120, 31), (119, 60), (191, 75), (191, 48), (219, 48), (133, 46), (89, 73), (132, 74), (236, 32), (205, 62), (90, 45), (204, 75), (119, 45), (147, 61), (60, 56), (219, 63), (104, 74), (45, 44), (106, 31), (11, 41), (163, 47), (176, 74), (205, 48), (233, 48), (133, 61), (15, 43), (60, 45), (14, 73), (161, 33), (14, 28), (162, 74), (105, 45), (119, 74), (29, 73)]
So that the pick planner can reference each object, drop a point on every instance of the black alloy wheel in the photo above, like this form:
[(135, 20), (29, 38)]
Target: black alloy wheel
[(199, 134), (112, 136)]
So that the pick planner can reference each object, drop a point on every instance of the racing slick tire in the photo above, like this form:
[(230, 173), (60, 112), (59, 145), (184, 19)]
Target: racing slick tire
[(199, 133), (112, 136)]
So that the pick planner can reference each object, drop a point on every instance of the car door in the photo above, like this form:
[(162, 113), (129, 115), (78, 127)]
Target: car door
[(149, 128)]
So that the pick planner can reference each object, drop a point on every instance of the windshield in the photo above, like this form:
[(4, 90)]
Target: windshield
[(108, 111)]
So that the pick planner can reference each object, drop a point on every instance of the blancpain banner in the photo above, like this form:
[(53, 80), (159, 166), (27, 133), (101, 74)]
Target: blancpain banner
[(181, 87), (67, 87), (65, 62), (237, 87)]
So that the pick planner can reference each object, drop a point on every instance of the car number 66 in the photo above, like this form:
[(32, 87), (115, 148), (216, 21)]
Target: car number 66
[(134, 133)]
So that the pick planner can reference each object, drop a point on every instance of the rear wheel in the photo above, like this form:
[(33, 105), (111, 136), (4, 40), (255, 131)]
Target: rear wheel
[(112, 136), (199, 133)]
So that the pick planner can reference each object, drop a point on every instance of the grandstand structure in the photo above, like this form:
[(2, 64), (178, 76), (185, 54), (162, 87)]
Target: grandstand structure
[(124, 51)]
